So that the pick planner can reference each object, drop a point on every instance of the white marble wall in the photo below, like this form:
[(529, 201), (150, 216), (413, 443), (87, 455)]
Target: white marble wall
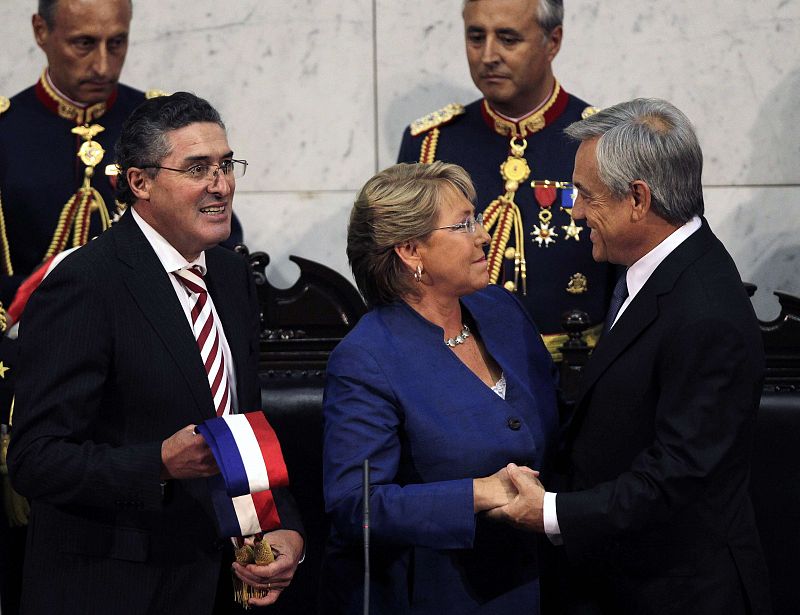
[(316, 94)]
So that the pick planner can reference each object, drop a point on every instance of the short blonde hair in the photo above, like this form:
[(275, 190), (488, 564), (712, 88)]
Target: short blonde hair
[(397, 205)]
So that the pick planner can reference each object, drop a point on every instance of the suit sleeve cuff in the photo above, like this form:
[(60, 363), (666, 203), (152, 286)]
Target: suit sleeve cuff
[(551, 528)]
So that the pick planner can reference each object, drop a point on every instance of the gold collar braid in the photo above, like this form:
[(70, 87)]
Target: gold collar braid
[(526, 126)]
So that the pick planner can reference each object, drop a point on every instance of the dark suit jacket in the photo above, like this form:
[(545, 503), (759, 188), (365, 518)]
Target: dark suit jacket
[(109, 369), (658, 451), (399, 397)]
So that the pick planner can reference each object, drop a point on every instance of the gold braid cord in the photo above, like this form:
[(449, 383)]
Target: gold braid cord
[(76, 213), (503, 215), (74, 219), (501, 220), (5, 251), (427, 151)]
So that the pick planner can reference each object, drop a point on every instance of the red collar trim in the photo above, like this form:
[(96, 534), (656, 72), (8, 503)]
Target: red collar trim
[(534, 122), (62, 107)]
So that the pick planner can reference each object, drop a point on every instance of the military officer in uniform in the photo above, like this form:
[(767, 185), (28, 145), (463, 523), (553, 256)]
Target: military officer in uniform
[(57, 137), (511, 142)]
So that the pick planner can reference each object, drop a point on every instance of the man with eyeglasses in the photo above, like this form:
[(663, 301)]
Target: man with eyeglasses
[(57, 138), (512, 144), (157, 330), (51, 199)]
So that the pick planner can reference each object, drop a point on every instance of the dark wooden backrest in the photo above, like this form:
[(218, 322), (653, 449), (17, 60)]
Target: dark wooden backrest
[(300, 326)]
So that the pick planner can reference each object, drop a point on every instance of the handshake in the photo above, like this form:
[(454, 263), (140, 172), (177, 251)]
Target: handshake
[(513, 495)]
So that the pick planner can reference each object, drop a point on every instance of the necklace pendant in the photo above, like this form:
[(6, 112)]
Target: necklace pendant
[(459, 339)]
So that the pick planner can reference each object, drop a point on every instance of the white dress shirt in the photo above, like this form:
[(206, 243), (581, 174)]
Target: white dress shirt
[(172, 260), (635, 277)]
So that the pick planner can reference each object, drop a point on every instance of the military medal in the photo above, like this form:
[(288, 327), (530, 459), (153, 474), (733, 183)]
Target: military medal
[(543, 234), (545, 193), (502, 216), (90, 152), (515, 169), (568, 193), (572, 230)]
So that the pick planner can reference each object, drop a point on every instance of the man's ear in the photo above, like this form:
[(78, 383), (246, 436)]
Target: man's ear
[(553, 42), (641, 197), (139, 182), (40, 29), (409, 254)]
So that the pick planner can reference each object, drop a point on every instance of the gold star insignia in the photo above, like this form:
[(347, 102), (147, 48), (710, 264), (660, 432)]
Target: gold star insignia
[(572, 230), (3, 370), (544, 235)]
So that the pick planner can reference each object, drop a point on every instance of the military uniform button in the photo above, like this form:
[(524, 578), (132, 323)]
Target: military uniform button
[(514, 423)]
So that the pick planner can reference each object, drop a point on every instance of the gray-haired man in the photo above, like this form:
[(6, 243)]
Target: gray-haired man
[(655, 514)]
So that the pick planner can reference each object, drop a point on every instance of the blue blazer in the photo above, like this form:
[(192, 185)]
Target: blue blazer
[(396, 395)]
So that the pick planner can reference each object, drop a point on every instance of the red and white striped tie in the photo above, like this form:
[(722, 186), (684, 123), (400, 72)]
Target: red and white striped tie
[(207, 336)]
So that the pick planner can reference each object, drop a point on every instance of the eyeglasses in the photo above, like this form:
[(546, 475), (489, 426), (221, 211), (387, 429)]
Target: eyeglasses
[(467, 226), (204, 171)]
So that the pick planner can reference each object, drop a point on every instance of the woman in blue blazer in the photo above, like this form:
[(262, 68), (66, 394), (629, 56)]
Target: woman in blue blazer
[(442, 384)]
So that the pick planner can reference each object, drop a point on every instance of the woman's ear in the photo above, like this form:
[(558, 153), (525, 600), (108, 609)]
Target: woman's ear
[(409, 254)]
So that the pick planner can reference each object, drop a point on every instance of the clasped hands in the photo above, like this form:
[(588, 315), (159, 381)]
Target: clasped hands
[(513, 495)]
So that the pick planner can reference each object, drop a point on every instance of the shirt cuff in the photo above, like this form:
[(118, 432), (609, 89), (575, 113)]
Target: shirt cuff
[(551, 519)]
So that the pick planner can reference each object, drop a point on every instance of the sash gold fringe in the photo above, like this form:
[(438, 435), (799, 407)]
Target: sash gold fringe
[(16, 507)]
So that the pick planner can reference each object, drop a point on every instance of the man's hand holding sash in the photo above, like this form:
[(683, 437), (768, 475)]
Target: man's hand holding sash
[(251, 463)]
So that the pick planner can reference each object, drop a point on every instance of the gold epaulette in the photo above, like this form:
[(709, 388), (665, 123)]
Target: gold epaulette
[(437, 118), (5, 104), (589, 111), (154, 94)]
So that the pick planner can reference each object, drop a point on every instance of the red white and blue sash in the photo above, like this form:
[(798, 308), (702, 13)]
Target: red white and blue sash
[(251, 463)]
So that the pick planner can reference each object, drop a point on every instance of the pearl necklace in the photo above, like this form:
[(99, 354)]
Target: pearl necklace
[(458, 339)]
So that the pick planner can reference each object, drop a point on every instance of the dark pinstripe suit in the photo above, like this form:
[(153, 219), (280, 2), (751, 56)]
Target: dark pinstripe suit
[(109, 369)]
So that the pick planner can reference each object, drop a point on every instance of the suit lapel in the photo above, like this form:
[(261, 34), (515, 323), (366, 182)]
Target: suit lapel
[(636, 318), (493, 334), (154, 294)]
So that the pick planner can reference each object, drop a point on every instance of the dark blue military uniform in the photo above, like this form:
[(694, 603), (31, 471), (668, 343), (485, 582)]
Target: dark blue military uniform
[(40, 171), (561, 273)]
